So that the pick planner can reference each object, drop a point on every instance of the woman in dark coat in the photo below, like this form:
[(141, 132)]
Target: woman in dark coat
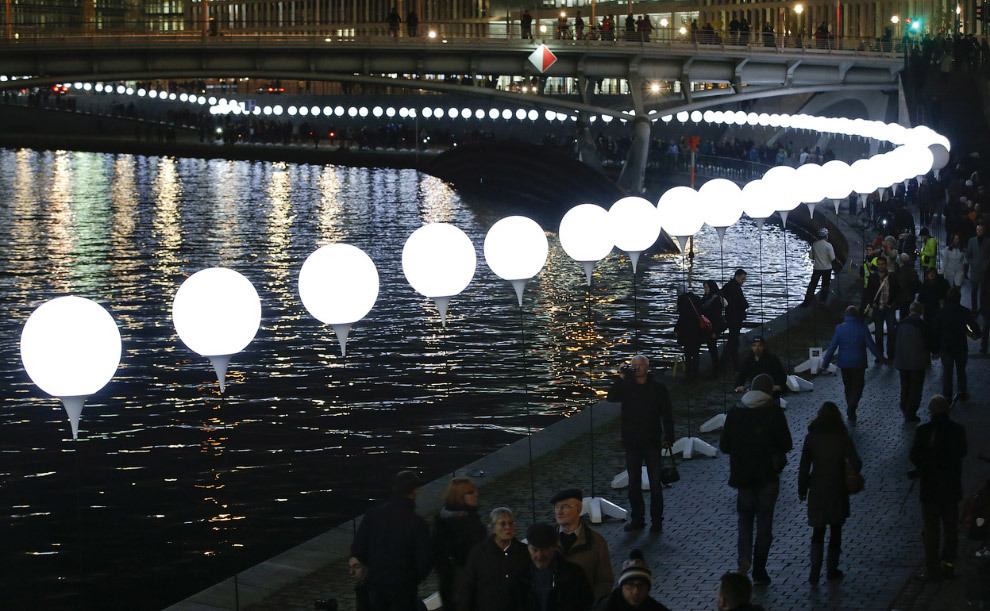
[(713, 306), (689, 332), (487, 576), (456, 530), (822, 480)]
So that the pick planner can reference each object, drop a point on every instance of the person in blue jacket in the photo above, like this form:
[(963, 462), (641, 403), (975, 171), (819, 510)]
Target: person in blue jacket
[(852, 338)]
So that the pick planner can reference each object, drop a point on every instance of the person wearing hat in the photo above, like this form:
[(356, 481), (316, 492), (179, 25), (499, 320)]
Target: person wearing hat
[(647, 426), (823, 257), (393, 541), (549, 582), (581, 545), (735, 314), (757, 439), (759, 361), (851, 339), (633, 591)]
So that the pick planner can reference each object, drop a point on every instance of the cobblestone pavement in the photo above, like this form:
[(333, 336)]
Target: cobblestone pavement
[(881, 540)]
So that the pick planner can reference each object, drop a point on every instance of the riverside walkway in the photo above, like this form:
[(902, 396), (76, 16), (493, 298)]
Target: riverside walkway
[(881, 540)]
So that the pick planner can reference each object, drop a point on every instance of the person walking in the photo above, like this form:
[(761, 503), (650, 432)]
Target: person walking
[(393, 22), (647, 427), (412, 24), (912, 359), (822, 257), (977, 260), (549, 582), (456, 530), (908, 284), (757, 439), (633, 591), (851, 339), (735, 314), (713, 307), (929, 247), (526, 24), (580, 544), (394, 543), (937, 452), (954, 262), (952, 325), (932, 294), (491, 564), (879, 297), (827, 451)]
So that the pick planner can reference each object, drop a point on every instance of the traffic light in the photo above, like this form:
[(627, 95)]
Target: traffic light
[(979, 12)]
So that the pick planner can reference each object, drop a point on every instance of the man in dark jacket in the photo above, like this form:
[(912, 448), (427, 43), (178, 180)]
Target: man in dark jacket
[(912, 359), (908, 285), (851, 339), (879, 293), (647, 426), (548, 582), (938, 450), (633, 591), (735, 314), (487, 575), (580, 544), (758, 361), (949, 341), (757, 440), (394, 543)]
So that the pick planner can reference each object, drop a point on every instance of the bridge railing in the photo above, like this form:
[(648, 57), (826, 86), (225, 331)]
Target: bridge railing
[(476, 32)]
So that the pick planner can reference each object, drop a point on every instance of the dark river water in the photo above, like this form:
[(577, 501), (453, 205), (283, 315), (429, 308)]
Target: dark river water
[(171, 487)]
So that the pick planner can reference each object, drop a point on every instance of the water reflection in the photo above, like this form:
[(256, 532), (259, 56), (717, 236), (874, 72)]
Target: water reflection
[(166, 470)]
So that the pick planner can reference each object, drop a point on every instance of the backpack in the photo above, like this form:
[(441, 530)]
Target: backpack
[(975, 520)]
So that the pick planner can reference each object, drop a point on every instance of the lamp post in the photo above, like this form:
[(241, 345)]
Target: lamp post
[(586, 235), (70, 348), (679, 214), (516, 250), (216, 313), (338, 285)]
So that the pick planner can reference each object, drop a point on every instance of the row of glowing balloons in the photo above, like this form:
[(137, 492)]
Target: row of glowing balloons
[(71, 346)]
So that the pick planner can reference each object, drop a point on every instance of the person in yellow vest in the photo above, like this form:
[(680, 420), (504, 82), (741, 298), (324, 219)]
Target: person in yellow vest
[(869, 264), (929, 246)]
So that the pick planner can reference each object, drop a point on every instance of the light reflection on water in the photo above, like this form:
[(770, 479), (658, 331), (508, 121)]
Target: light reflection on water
[(170, 476)]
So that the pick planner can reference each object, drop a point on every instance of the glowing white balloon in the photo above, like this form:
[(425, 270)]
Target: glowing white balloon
[(587, 235), (810, 185), (679, 213), (70, 348), (940, 157), (516, 249), (838, 181), (757, 201), (634, 221), (438, 261), (216, 313), (783, 190), (721, 201), (338, 285)]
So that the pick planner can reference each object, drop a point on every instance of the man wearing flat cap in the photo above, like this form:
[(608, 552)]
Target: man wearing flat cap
[(548, 582), (581, 545), (393, 541)]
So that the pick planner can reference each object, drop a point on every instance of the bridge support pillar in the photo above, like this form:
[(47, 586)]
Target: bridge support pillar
[(634, 169), (587, 151)]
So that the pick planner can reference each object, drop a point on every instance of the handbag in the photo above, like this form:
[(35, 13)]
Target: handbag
[(868, 310), (703, 322), (855, 482), (669, 475)]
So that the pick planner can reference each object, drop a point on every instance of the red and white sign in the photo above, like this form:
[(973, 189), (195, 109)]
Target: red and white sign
[(542, 58)]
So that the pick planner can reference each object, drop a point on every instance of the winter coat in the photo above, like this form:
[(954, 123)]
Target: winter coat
[(456, 530), (852, 338), (954, 265), (822, 255), (908, 284), (615, 602), (590, 552), (978, 255), (570, 592), (931, 295), (872, 293), (713, 306), (754, 435), (647, 413), (769, 364), (393, 541), (735, 310), (938, 449), (928, 251), (687, 328), (822, 474), (487, 577), (911, 349), (949, 330)]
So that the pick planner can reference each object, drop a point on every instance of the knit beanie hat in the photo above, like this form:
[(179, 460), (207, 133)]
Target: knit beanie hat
[(635, 568), (763, 383)]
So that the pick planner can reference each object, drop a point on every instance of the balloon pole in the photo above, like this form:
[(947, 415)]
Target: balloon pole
[(763, 312), (529, 429), (787, 304), (635, 312)]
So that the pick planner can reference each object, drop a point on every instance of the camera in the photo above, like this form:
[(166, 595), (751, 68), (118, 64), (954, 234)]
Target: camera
[(627, 369), (325, 604)]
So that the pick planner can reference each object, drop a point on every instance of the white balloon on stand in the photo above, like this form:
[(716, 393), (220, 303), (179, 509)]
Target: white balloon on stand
[(217, 312), (70, 348), (439, 261), (516, 249), (338, 285), (679, 213), (721, 202), (634, 226), (838, 181), (587, 235)]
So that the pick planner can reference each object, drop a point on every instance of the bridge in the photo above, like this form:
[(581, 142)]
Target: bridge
[(726, 73)]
